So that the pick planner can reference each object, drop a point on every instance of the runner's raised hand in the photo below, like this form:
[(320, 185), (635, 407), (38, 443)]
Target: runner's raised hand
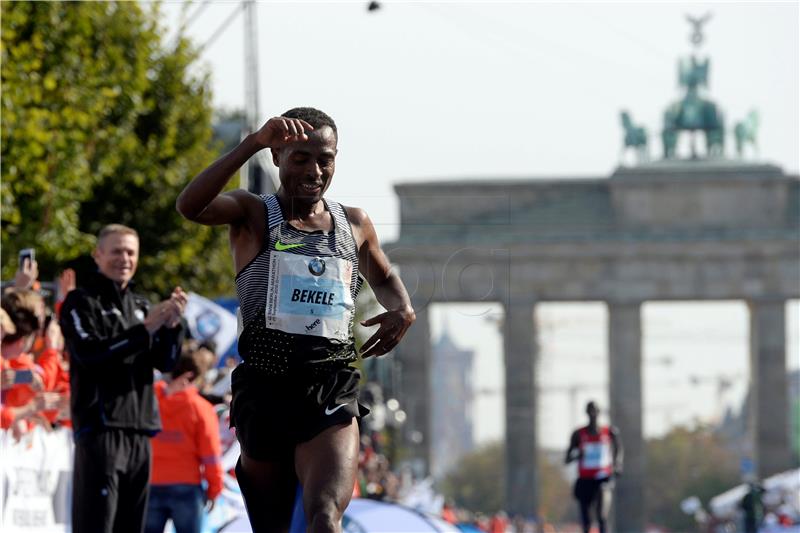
[(280, 131)]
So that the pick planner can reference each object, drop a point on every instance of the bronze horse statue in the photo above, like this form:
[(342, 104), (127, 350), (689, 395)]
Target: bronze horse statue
[(745, 133), (635, 137)]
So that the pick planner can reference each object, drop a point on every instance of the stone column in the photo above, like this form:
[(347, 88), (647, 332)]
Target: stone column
[(625, 395), (768, 418), (413, 356), (519, 340)]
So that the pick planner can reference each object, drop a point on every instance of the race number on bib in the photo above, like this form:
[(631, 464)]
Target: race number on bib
[(310, 295)]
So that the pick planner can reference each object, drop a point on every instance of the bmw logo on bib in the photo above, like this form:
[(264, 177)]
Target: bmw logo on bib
[(316, 266)]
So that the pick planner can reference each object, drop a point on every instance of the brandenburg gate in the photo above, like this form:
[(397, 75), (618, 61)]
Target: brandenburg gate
[(704, 227), (680, 230)]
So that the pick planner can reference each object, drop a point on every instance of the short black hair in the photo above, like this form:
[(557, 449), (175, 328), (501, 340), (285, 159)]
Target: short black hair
[(315, 117)]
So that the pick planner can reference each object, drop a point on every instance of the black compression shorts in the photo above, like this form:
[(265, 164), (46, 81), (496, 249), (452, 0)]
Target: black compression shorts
[(272, 415)]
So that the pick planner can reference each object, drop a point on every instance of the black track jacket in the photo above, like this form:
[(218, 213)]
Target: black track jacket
[(112, 357)]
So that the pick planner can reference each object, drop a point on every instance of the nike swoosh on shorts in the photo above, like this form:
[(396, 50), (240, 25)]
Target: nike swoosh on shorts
[(329, 411)]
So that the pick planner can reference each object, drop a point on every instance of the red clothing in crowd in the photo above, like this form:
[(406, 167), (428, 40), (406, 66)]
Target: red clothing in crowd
[(56, 379), (498, 524), (50, 363), (189, 441), (20, 394)]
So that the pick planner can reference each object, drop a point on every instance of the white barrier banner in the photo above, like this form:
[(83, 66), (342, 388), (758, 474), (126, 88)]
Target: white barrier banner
[(35, 475), (36, 484)]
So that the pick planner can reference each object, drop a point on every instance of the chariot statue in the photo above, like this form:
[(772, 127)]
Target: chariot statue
[(694, 113)]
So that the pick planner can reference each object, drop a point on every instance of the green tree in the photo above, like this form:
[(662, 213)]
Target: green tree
[(686, 463), (104, 123), (477, 483)]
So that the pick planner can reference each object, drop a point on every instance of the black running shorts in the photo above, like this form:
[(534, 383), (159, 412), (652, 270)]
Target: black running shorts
[(273, 414), (587, 490)]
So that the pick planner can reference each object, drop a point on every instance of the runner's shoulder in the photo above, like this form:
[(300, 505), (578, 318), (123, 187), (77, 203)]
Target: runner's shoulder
[(363, 230), (251, 205), (356, 215)]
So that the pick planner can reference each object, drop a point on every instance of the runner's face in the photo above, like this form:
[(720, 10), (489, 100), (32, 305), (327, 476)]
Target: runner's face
[(306, 167)]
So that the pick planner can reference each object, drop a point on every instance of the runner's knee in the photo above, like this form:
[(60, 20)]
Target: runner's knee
[(324, 515), (324, 510)]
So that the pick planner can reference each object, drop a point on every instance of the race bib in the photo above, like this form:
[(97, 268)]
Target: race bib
[(310, 295), (596, 455)]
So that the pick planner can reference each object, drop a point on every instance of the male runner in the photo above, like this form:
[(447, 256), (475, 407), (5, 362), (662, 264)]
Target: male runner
[(599, 453), (297, 258)]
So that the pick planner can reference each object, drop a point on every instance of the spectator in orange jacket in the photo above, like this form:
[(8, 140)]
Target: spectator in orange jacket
[(188, 445)]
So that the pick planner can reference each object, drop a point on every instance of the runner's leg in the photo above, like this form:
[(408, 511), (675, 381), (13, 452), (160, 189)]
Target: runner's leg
[(326, 466), (268, 488), (586, 520), (604, 494), (584, 502)]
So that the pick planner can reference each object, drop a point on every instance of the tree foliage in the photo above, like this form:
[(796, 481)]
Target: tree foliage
[(686, 463), (477, 483), (104, 123)]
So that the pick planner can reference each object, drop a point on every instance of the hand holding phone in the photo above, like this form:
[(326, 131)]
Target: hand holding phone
[(26, 254), (28, 269)]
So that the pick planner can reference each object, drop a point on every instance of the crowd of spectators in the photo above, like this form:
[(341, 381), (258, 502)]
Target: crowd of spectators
[(35, 382), (35, 367)]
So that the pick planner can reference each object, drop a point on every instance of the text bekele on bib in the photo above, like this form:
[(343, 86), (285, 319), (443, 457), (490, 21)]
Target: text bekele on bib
[(310, 295)]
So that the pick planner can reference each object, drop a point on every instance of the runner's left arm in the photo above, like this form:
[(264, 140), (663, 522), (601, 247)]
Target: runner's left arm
[(385, 283)]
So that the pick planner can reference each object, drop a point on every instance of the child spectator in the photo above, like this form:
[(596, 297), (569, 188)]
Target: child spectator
[(187, 447)]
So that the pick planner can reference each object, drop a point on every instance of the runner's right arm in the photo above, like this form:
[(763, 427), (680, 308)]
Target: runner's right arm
[(201, 201), (574, 444)]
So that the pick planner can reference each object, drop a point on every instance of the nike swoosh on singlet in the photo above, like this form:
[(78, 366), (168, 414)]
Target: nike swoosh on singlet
[(329, 411), (281, 247)]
